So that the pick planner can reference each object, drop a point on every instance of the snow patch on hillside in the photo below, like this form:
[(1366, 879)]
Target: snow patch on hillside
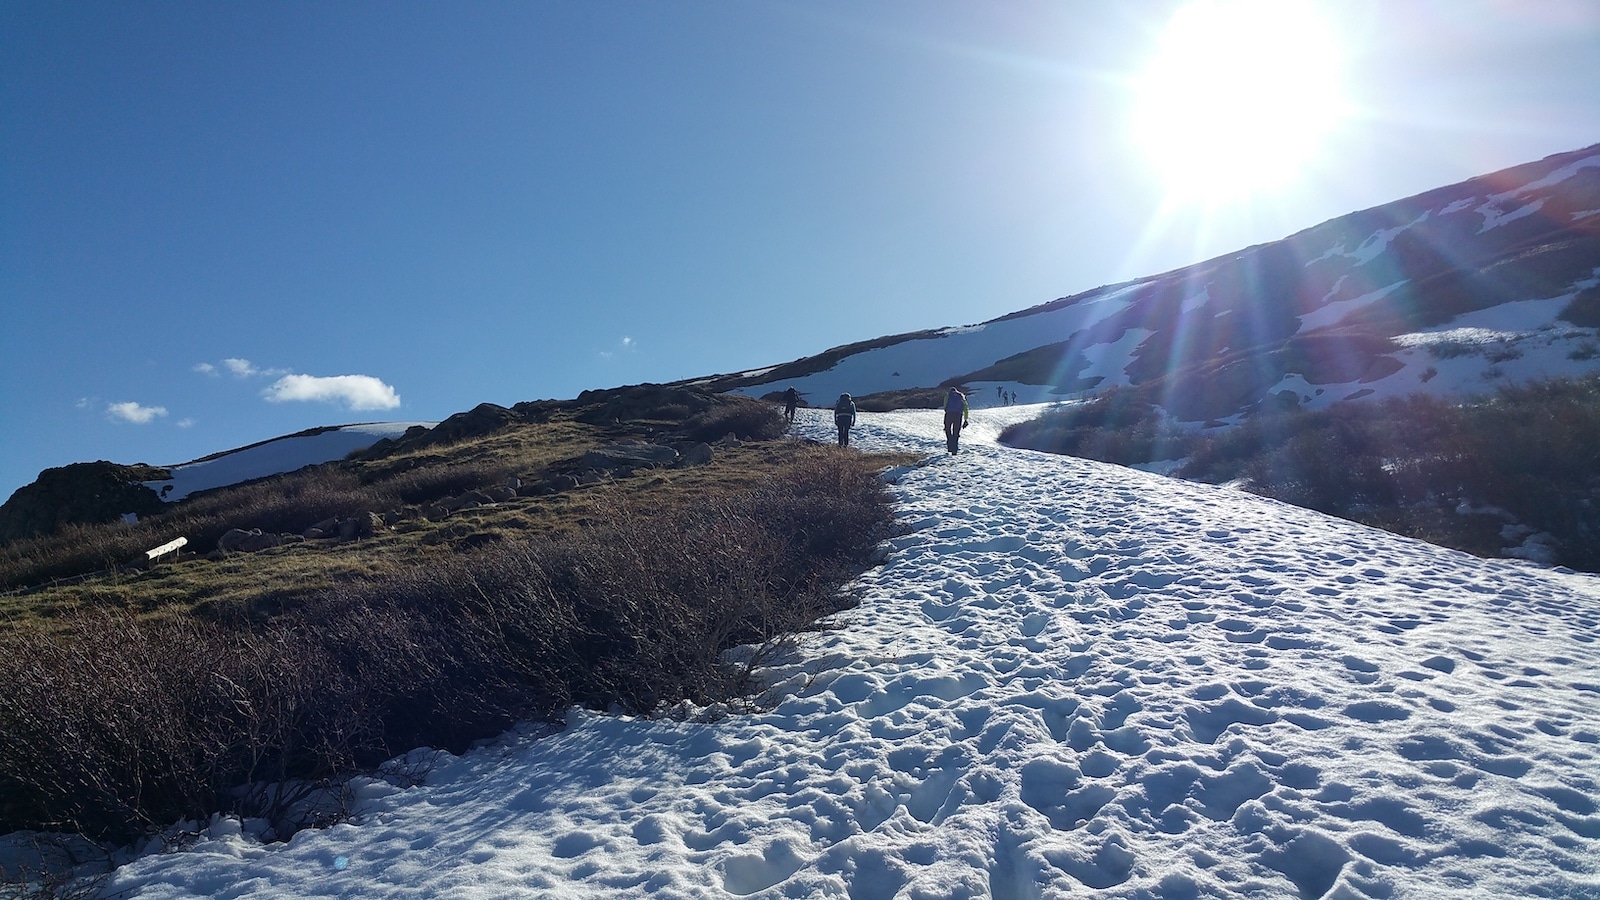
[(1553, 179), (285, 454), (1493, 217), (1378, 242), (1110, 361), (1331, 313), (926, 362)]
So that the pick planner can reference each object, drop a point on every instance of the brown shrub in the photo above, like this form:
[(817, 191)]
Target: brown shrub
[(1118, 426), (749, 420), (1406, 464)]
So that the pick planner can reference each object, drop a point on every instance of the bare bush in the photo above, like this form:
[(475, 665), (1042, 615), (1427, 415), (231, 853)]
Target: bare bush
[(430, 483), (1119, 426), (113, 727), (748, 420), (1407, 464)]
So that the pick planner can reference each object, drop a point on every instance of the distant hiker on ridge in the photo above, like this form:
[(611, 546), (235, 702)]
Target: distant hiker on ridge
[(791, 399), (844, 416), (955, 418)]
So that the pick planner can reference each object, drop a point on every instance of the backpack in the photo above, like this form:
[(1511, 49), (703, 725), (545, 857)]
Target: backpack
[(954, 402), (845, 409)]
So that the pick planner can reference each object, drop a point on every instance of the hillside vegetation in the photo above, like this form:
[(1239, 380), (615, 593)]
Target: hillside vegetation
[(1516, 473), (137, 699)]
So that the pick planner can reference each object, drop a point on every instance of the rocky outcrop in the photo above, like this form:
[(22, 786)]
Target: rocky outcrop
[(482, 419), (628, 456), (618, 461), (641, 402), (554, 483), (80, 494)]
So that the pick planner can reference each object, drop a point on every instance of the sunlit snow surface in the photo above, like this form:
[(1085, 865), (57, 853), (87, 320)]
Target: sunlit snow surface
[(1067, 679), (274, 457)]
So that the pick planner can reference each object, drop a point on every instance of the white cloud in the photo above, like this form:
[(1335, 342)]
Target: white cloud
[(184, 423), (244, 368), (354, 391), (238, 368), (627, 344), (133, 412)]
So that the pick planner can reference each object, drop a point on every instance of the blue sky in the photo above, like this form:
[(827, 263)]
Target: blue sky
[(223, 222)]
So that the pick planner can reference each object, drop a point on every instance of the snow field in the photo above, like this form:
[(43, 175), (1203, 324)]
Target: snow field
[(274, 457), (1066, 678)]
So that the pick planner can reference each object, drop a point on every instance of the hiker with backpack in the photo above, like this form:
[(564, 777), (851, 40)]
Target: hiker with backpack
[(791, 399), (955, 418), (844, 416)]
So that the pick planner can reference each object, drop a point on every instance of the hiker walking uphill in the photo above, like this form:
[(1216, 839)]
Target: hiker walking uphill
[(955, 418), (844, 416), (791, 399)]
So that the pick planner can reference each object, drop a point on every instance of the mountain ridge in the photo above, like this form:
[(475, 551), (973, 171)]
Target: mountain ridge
[(1341, 303)]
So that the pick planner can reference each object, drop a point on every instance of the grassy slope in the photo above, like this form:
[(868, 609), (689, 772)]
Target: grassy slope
[(140, 698), (270, 579)]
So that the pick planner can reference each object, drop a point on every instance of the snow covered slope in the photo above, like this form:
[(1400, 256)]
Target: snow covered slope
[(1492, 280), (274, 457), (1067, 679)]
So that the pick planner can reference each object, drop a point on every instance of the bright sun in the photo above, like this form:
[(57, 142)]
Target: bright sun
[(1239, 96)]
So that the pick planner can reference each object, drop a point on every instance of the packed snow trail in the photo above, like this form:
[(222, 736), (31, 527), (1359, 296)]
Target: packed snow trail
[(1066, 678)]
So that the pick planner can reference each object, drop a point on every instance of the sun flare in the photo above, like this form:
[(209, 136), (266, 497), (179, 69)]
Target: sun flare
[(1239, 96)]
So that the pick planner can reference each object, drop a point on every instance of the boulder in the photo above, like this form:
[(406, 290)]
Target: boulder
[(553, 484), (325, 528), (234, 538), (696, 455), (258, 541), (469, 500)]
